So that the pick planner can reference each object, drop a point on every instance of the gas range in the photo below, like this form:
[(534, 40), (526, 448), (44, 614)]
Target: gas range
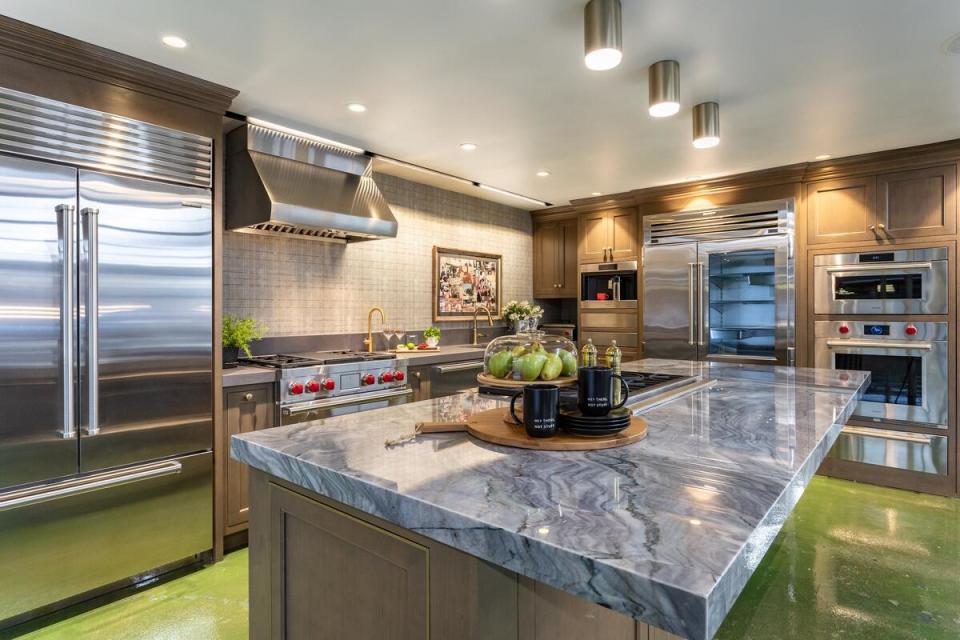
[(320, 379)]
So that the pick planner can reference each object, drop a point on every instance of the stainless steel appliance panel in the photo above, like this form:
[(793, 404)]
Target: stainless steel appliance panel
[(918, 452), (65, 539), (745, 288), (333, 407), (37, 271), (452, 378), (905, 281), (146, 268), (670, 301), (909, 373)]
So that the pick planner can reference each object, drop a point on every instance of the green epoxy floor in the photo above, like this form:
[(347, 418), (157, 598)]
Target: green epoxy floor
[(852, 562)]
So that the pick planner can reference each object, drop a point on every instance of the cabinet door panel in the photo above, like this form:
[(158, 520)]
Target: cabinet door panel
[(568, 261), (594, 238), (622, 225), (245, 410), (918, 203), (547, 246), (841, 210)]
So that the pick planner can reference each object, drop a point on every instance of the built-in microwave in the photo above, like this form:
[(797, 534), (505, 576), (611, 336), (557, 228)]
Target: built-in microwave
[(907, 361), (895, 282)]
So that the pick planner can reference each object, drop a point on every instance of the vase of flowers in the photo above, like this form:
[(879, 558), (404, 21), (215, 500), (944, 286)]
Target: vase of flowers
[(523, 316)]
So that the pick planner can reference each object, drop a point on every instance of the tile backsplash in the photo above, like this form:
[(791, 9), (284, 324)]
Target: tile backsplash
[(303, 287)]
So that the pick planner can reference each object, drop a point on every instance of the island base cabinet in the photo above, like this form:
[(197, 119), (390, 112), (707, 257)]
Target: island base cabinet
[(324, 571)]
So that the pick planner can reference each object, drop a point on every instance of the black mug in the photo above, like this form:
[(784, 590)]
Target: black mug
[(541, 404), (595, 391)]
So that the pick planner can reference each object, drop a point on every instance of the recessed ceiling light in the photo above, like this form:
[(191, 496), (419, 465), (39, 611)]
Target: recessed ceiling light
[(695, 522), (468, 146), (175, 42), (542, 174), (602, 34), (596, 193), (356, 107), (823, 156)]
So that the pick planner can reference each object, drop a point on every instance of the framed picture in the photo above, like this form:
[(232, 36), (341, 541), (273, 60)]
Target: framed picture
[(462, 280)]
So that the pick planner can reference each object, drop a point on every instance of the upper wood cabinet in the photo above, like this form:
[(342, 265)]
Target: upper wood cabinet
[(917, 203), (608, 235), (555, 259), (888, 207), (842, 210)]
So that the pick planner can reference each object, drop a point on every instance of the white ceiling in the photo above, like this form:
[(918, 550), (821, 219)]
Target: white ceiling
[(793, 79)]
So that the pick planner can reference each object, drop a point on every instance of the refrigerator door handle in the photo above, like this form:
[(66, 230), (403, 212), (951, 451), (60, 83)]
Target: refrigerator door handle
[(704, 309), (92, 305), (691, 304), (68, 255), (36, 495)]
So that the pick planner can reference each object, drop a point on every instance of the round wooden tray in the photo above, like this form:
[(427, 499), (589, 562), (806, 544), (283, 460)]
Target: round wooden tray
[(491, 381), (491, 426)]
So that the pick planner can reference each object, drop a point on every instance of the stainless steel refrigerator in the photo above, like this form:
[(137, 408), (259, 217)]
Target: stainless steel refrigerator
[(105, 351), (718, 284)]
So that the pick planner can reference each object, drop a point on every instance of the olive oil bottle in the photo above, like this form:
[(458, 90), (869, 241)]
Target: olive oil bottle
[(614, 357), (588, 355)]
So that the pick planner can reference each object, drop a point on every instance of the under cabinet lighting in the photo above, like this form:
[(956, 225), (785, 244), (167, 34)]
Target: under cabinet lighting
[(504, 192), (303, 134), (823, 156)]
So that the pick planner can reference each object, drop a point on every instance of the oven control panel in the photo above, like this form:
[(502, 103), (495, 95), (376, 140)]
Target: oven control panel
[(304, 384), (881, 330)]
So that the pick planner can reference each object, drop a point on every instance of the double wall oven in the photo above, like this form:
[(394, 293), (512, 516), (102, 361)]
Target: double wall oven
[(887, 312)]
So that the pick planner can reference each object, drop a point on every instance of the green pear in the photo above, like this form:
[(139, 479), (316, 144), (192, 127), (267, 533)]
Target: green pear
[(500, 363), (552, 367), (569, 363), (530, 365), (519, 351)]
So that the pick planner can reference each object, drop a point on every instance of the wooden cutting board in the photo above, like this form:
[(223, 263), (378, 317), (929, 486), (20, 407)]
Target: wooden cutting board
[(492, 426)]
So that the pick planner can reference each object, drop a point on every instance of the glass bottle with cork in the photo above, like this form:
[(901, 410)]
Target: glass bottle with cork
[(588, 354), (613, 357)]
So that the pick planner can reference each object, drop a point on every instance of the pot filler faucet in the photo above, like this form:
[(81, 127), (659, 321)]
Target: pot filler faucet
[(476, 310), (368, 341)]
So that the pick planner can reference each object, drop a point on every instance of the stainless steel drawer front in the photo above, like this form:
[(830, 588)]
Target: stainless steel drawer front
[(920, 452)]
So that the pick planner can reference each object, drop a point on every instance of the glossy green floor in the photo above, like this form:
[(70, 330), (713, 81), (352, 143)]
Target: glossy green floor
[(853, 562)]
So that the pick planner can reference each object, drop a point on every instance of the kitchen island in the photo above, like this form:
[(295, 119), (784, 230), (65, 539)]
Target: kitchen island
[(448, 537)]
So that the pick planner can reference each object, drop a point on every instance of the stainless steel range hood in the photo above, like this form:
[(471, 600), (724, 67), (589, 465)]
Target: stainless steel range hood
[(281, 184)]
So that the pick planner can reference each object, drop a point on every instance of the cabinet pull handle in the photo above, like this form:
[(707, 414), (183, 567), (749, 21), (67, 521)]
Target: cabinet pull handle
[(248, 397)]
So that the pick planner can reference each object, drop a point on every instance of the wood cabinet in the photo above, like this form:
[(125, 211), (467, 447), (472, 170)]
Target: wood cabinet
[(555, 259), (608, 235), (883, 208), (246, 408), (917, 203)]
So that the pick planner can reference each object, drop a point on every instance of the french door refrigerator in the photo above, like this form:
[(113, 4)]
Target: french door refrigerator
[(105, 352), (718, 284)]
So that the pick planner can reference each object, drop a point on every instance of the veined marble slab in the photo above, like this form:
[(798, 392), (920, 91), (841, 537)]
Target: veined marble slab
[(667, 530)]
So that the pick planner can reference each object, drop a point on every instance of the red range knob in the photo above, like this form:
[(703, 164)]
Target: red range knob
[(399, 376), (296, 388), (329, 384), (313, 386), (844, 329), (369, 379), (910, 330), (387, 376)]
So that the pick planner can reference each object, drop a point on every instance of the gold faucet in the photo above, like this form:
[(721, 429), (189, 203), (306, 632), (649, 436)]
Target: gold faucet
[(383, 320), (476, 310)]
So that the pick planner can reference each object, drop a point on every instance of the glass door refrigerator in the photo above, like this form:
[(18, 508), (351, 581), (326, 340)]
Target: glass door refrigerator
[(719, 284)]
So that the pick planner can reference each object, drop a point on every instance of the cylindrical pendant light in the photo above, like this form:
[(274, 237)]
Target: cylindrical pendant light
[(706, 125), (664, 88), (602, 34)]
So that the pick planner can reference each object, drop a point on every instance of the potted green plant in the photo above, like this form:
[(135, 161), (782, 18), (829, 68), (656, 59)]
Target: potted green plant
[(238, 333), (432, 336)]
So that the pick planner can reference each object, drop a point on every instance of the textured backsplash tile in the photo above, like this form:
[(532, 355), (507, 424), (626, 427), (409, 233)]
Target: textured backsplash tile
[(298, 287)]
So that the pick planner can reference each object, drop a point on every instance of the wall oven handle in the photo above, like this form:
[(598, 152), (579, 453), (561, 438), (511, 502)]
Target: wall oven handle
[(92, 306), (880, 266), (357, 398), (460, 366), (36, 495), (880, 344), (68, 228), (691, 304)]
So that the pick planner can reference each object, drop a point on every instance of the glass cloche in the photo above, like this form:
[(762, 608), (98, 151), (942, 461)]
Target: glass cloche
[(530, 356)]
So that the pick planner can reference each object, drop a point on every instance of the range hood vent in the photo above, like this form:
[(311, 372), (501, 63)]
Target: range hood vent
[(281, 184)]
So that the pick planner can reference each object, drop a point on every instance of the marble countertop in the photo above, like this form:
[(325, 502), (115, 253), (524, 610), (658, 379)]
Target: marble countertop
[(667, 530), (248, 374)]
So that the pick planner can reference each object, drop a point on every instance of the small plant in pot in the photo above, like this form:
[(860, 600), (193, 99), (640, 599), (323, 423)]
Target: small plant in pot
[(238, 333), (432, 336)]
